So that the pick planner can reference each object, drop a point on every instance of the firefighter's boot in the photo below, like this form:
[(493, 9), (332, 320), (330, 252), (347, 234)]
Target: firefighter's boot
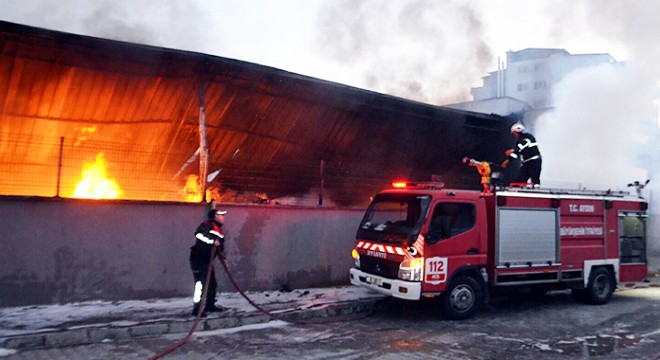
[(213, 308), (196, 310)]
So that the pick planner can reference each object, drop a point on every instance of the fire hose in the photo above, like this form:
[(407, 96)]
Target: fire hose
[(209, 273), (242, 293)]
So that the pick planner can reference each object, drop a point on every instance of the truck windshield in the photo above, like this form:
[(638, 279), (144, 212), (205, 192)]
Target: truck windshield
[(394, 218)]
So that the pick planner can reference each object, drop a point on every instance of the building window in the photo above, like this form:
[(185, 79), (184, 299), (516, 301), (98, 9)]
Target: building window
[(522, 87), (522, 69), (539, 67), (539, 85)]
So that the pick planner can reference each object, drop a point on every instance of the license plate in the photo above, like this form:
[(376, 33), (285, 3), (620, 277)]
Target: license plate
[(374, 281)]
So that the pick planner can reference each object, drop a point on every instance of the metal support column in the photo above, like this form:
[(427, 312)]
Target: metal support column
[(203, 148)]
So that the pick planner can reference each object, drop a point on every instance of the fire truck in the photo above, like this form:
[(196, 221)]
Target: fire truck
[(425, 241)]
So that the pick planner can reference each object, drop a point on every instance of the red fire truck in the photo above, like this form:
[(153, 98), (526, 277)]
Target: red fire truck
[(422, 240)]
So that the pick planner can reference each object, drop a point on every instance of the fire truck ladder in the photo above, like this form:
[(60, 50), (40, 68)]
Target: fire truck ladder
[(559, 191)]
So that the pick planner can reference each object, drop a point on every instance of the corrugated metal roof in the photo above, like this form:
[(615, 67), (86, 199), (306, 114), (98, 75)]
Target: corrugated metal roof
[(267, 129)]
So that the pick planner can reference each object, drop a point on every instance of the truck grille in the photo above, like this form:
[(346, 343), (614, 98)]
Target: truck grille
[(380, 267)]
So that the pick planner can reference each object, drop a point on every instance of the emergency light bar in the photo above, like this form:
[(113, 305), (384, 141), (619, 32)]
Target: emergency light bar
[(419, 185)]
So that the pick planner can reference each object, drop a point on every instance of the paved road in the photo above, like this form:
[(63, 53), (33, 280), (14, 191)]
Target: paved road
[(550, 327)]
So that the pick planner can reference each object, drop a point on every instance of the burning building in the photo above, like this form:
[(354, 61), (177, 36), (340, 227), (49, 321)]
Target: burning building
[(142, 122)]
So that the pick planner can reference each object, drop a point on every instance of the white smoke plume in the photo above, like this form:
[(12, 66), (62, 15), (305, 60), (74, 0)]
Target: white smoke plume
[(604, 131), (606, 118), (595, 136)]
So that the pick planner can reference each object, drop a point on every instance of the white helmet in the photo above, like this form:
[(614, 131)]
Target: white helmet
[(517, 127)]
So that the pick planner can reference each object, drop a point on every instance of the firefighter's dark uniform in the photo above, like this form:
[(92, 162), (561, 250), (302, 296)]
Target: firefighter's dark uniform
[(527, 151), (200, 256)]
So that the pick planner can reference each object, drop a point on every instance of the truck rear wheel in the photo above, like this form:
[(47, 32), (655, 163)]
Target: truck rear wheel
[(462, 298), (600, 287)]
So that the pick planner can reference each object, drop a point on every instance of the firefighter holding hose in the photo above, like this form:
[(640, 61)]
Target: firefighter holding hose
[(527, 151), (209, 234)]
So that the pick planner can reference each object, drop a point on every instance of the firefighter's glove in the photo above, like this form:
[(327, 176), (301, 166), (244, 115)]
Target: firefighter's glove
[(505, 163)]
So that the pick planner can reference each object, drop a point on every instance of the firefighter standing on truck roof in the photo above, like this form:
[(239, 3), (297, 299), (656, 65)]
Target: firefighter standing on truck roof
[(527, 150), (208, 234)]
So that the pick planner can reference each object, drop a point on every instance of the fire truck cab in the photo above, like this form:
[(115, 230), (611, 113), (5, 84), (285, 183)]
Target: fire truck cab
[(422, 240)]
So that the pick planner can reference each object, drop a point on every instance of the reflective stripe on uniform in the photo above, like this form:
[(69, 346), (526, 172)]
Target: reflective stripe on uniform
[(217, 234), (532, 158), (197, 293), (526, 143), (204, 239)]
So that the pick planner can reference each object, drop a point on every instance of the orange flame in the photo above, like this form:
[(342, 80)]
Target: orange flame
[(95, 183), (192, 191)]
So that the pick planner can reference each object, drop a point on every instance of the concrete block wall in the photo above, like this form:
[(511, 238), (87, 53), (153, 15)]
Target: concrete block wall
[(65, 250)]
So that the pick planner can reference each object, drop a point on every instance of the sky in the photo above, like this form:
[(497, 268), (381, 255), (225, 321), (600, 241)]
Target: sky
[(603, 132)]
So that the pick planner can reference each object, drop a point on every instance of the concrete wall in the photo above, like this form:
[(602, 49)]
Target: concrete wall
[(63, 250)]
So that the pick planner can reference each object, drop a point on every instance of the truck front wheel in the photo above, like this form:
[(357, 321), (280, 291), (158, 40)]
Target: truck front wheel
[(600, 287), (462, 298)]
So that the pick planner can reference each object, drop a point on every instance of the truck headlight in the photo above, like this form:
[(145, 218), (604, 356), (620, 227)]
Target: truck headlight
[(411, 270), (356, 257)]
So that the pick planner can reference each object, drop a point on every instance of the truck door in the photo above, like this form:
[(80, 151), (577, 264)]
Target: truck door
[(632, 244), (452, 242)]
